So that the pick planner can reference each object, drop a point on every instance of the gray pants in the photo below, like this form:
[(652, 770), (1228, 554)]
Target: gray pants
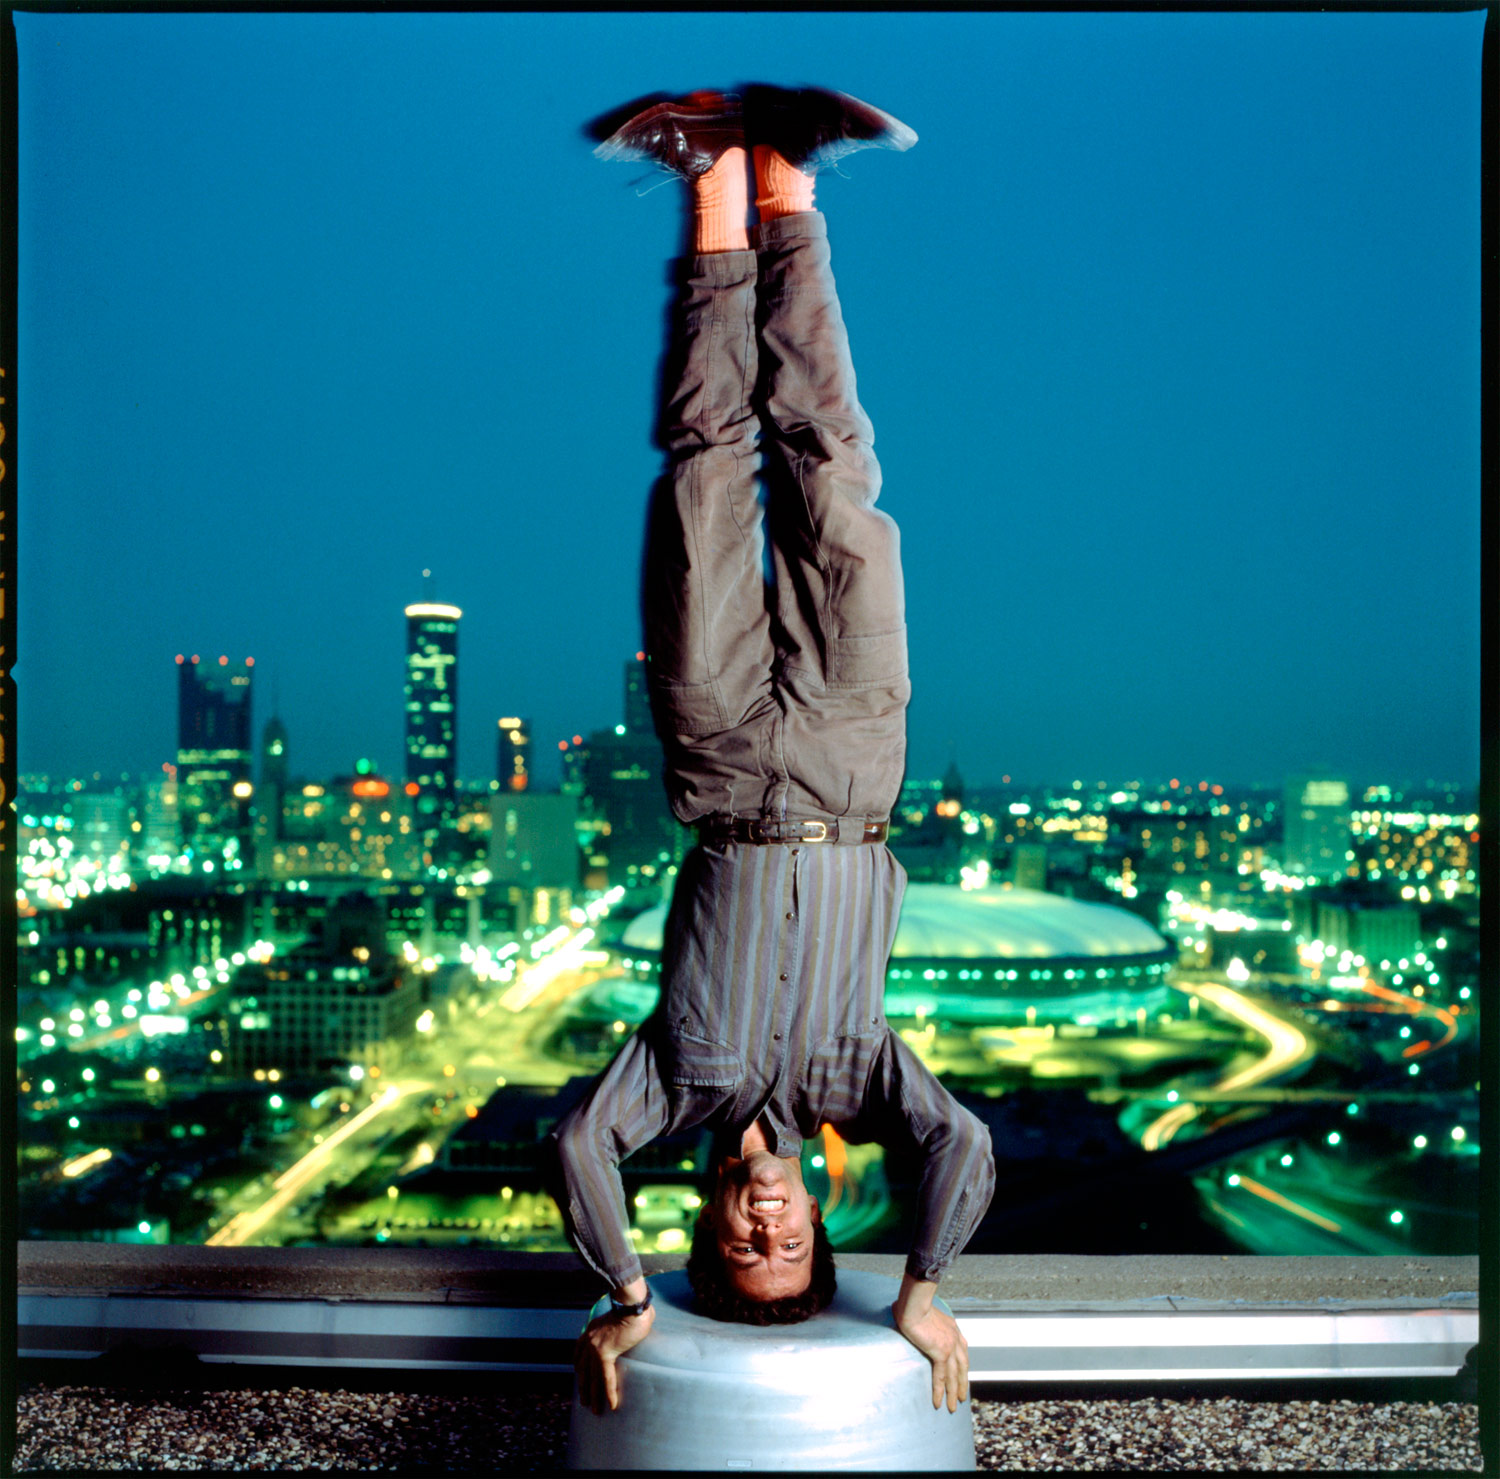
[(785, 701)]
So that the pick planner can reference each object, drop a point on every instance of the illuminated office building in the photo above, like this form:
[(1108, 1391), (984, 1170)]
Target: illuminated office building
[(1362, 927), (357, 824), (101, 828), (432, 714), (1317, 835), (513, 755), (213, 756), (342, 999)]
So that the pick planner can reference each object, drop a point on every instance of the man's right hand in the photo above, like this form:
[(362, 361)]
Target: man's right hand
[(936, 1334), (601, 1345)]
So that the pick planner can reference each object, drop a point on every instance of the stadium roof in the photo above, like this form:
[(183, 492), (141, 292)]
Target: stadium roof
[(942, 922)]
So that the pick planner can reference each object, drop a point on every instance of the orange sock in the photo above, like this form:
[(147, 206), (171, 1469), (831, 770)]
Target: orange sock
[(720, 205), (781, 189)]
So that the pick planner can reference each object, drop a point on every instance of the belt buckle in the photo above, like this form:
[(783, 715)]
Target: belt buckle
[(820, 836)]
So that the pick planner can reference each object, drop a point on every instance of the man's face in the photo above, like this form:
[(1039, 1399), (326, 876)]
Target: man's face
[(763, 1220)]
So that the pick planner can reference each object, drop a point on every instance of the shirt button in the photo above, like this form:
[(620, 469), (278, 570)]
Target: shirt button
[(788, 913), (795, 851), (777, 1036), (783, 975)]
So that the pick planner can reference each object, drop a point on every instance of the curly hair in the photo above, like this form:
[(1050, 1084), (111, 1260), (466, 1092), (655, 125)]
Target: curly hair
[(717, 1298)]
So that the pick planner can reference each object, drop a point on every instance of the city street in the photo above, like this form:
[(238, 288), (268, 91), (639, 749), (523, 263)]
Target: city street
[(458, 1057)]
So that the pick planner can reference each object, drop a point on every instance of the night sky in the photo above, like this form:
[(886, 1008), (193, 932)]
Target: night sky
[(1168, 327)]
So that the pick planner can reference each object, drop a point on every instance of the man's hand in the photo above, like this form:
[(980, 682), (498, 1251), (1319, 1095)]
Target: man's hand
[(938, 1338), (602, 1344)]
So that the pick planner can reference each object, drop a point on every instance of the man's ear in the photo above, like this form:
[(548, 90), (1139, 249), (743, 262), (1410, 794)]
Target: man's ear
[(814, 1210)]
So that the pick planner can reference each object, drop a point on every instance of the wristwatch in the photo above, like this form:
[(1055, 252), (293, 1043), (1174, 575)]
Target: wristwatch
[(625, 1311)]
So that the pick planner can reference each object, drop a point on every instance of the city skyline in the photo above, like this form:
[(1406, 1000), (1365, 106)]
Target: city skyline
[(545, 770), (1188, 478)]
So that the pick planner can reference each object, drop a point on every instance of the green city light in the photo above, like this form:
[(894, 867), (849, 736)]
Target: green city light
[(1333, 1137), (1397, 1217)]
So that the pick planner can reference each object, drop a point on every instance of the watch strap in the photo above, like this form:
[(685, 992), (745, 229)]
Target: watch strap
[(618, 1307)]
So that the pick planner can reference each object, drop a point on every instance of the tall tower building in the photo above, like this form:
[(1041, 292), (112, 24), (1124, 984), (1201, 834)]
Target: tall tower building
[(1315, 841), (513, 755), (213, 755), (273, 756), (432, 714), (637, 700), (270, 795), (625, 800)]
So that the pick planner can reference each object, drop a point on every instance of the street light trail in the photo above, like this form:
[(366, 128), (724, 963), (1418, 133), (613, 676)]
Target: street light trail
[(293, 1181), (1417, 1008), (1287, 1204), (537, 977), (1287, 1046)]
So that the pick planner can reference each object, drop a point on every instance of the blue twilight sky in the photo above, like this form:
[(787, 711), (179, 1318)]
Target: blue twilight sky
[(1168, 326)]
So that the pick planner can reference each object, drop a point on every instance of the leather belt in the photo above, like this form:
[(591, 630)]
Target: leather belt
[(763, 830)]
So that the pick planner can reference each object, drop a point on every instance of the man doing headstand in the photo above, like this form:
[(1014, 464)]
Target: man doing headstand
[(782, 713)]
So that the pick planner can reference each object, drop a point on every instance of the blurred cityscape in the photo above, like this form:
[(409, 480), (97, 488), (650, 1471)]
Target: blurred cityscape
[(260, 1007)]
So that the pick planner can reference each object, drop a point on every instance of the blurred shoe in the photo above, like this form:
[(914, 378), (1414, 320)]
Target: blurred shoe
[(685, 135), (811, 127)]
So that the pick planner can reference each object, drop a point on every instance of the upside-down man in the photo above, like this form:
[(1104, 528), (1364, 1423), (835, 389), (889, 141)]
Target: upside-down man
[(782, 709)]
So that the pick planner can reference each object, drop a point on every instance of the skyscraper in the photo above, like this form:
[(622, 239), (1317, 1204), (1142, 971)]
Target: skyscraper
[(273, 756), (621, 772), (637, 700), (213, 756), (270, 795), (513, 754), (1315, 841), (431, 714)]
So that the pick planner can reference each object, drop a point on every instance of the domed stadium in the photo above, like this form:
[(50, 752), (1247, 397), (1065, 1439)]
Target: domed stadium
[(997, 955)]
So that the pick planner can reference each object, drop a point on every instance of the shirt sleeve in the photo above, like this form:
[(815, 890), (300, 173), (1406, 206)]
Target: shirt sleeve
[(626, 1108), (958, 1166)]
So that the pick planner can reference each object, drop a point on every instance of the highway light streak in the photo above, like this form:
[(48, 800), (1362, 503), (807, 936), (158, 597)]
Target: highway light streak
[(293, 1181), (1276, 1199), (1286, 1048), (536, 978), (86, 1163), (1416, 1008)]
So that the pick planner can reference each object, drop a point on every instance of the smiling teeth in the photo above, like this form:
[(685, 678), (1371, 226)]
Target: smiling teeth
[(768, 1204)]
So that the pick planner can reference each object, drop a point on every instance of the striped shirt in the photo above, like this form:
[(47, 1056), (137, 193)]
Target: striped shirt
[(772, 1007)]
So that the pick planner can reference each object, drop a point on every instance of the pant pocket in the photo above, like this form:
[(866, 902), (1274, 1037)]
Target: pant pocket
[(867, 662), (688, 708)]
